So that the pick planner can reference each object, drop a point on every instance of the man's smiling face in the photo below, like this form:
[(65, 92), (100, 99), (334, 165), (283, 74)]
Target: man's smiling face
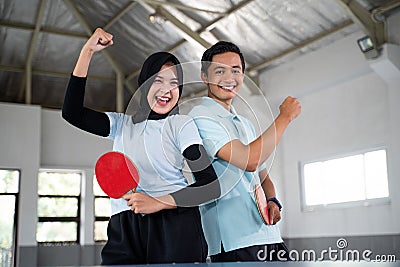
[(224, 77)]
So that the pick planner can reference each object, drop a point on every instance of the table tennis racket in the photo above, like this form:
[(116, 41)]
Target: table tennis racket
[(116, 174), (262, 203)]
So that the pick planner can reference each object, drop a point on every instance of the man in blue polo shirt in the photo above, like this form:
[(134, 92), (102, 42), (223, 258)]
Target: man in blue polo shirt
[(233, 225)]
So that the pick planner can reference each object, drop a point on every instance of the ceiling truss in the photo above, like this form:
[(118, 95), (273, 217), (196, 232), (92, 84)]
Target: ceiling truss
[(368, 19)]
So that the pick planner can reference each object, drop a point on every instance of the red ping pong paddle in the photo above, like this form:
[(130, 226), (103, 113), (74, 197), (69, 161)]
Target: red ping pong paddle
[(262, 203), (116, 174)]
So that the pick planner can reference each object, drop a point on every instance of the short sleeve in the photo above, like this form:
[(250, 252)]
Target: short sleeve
[(116, 121), (214, 134), (187, 132), (262, 167)]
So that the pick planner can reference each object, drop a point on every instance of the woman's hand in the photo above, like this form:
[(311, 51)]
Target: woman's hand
[(144, 204), (99, 40)]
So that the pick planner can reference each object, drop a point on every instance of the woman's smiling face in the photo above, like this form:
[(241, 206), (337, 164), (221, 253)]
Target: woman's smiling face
[(164, 91)]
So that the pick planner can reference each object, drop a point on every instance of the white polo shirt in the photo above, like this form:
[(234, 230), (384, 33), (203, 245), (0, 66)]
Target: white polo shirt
[(155, 147)]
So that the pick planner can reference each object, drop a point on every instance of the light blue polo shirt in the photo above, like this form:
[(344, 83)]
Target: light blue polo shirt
[(232, 220)]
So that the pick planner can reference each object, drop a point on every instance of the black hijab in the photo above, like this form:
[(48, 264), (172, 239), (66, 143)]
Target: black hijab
[(150, 68)]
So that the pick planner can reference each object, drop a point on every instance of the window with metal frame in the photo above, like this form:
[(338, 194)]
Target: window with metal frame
[(358, 179), (59, 197), (9, 197), (102, 212)]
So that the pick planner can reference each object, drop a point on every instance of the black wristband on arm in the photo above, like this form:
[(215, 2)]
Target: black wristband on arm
[(276, 201)]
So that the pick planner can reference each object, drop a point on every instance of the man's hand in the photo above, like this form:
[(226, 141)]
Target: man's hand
[(290, 108), (144, 204), (274, 213)]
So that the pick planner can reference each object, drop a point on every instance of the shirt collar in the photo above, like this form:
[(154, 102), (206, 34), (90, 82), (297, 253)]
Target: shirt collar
[(218, 109)]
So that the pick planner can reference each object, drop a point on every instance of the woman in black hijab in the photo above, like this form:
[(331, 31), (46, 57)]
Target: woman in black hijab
[(160, 223)]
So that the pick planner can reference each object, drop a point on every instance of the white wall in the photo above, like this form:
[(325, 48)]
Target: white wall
[(34, 138), (20, 149), (66, 147), (393, 24), (346, 107)]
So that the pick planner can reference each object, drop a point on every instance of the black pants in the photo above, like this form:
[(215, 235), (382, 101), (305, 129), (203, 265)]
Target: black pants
[(167, 236), (270, 252)]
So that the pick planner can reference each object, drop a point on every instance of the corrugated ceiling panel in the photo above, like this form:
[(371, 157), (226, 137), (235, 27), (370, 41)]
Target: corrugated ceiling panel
[(268, 29), (10, 82), (14, 46), (22, 11), (136, 38), (58, 16), (262, 29)]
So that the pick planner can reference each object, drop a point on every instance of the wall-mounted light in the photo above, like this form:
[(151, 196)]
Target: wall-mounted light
[(368, 48)]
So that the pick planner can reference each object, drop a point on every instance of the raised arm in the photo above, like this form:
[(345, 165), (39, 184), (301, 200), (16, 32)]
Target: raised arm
[(97, 42), (73, 110), (250, 157)]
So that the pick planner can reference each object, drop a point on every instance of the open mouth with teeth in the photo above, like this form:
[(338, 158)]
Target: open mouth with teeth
[(162, 100), (227, 87)]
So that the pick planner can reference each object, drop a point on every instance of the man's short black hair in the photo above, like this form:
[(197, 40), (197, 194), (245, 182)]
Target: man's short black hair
[(219, 48)]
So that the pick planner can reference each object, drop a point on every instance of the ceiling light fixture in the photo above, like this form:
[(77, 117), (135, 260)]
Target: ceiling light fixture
[(157, 17)]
